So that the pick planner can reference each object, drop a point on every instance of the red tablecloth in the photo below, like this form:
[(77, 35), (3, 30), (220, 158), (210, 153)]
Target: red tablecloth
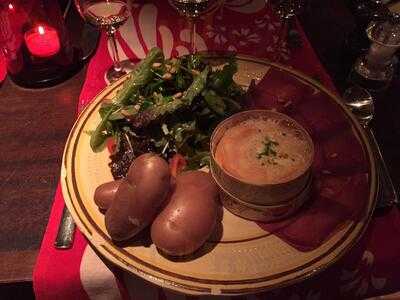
[(3, 69), (246, 26)]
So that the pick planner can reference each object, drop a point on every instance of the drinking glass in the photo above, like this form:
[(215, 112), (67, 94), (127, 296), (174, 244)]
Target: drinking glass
[(192, 10), (286, 10), (108, 15), (360, 103)]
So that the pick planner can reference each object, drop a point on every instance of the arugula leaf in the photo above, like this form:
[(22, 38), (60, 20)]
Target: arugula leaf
[(198, 160), (232, 105), (235, 91), (180, 81), (153, 87), (168, 114), (221, 80), (139, 77), (145, 105), (106, 107), (181, 132), (156, 111), (215, 102)]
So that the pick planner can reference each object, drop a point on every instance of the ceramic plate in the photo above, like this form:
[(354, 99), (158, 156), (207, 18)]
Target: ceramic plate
[(246, 259)]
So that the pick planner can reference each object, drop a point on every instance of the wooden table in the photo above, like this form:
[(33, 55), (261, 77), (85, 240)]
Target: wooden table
[(35, 124)]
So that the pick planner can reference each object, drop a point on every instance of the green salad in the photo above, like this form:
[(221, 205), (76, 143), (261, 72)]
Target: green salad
[(167, 106)]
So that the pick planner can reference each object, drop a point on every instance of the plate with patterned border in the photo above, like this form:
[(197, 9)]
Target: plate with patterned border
[(245, 259)]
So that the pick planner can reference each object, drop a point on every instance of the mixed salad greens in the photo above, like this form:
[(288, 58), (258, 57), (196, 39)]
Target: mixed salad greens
[(167, 106)]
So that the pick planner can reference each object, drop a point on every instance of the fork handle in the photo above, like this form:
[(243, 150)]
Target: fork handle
[(66, 230), (389, 194)]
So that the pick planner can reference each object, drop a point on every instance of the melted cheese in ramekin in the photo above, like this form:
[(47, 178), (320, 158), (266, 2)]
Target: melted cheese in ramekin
[(264, 151)]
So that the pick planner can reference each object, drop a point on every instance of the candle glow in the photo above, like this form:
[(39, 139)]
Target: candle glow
[(41, 30), (42, 41)]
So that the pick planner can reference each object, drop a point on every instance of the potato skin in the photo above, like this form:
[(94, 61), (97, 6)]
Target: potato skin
[(139, 197), (121, 224), (190, 216), (105, 193), (150, 175)]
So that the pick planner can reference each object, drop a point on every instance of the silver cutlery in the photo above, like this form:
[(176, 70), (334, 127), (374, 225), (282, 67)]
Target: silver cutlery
[(361, 104), (66, 230)]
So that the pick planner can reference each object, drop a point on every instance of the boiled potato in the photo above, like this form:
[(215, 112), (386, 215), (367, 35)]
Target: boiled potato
[(150, 175), (105, 193), (139, 197), (190, 216)]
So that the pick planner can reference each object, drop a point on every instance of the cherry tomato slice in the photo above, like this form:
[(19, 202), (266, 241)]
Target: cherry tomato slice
[(177, 164)]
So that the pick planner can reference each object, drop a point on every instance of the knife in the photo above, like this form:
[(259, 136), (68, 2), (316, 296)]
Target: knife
[(66, 230), (388, 192)]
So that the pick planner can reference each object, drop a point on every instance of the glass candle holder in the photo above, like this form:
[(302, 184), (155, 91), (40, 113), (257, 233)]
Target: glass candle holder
[(36, 44), (374, 70)]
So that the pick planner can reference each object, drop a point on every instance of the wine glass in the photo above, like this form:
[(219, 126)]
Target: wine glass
[(192, 10), (108, 15), (287, 10)]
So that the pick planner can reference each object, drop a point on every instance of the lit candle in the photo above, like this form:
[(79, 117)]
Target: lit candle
[(42, 41)]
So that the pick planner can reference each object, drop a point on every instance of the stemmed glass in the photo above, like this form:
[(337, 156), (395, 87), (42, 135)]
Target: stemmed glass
[(286, 10), (192, 10), (108, 15)]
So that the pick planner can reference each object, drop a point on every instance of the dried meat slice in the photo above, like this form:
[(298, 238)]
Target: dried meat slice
[(335, 200), (279, 91), (343, 154), (322, 115), (317, 220)]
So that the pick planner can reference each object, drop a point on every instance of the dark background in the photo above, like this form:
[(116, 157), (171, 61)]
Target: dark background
[(35, 124)]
